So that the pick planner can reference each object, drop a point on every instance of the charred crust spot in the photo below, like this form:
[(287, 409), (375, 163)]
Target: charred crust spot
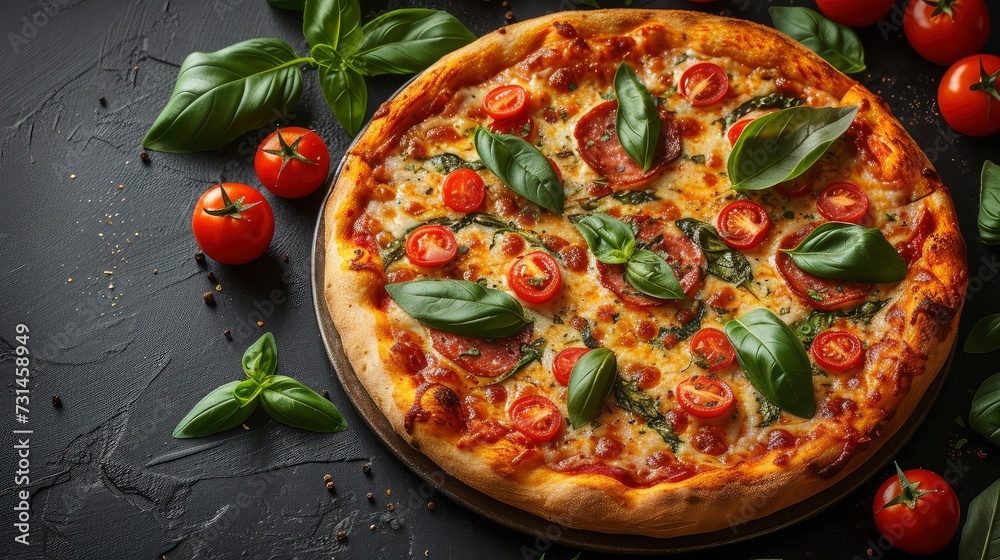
[(564, 29)]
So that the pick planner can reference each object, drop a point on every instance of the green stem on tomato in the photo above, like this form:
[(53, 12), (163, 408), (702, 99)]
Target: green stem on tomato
[(942, 7), (231, 208)]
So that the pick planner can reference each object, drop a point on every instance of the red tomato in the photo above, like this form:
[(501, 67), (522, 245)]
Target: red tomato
[(736, 130), (564, 361), (837, 351), (463, 190), (705, 397), (292, 162), (704, 84), (536, 417), (712, 346), (233, 223), (855, 13), (535, 277), (968, 94), (506, 102), (797, 187), (842, 202), (431, 246), (948, 32), (917, 511), (743, 224)]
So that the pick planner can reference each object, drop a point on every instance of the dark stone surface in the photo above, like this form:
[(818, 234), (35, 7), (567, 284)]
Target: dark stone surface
[(130, 346)]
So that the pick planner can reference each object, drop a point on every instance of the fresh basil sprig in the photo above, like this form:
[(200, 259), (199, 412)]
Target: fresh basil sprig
[(460, 307), (783, 145), (774, 360), (638, 122), (284, 398), (590, 383), (650, 274), (981, 532), (835, 43), (219, 96), (842, 251), (985, 335), (520, 166), (989, 204), (723, 261), (985, 415)]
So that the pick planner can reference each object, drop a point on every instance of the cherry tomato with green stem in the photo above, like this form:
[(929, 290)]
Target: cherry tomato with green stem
[(917, 511), (945, 31), (855, 13), (292, 162), (968, 96), (233, 223)]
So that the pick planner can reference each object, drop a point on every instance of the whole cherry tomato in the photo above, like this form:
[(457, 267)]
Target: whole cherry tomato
[(968, 95), (855, 13), (948, 30), (233, 223), (917, 511), (292, 162)]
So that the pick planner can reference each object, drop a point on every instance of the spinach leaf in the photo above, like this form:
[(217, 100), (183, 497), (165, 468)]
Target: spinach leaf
[(650, 274), (220, 95), (407, 41), (849, 252), (981, 532), (521, 167), (529, 353), (769, 101), (818, 321), (985, 335), (638, 122), (292, 403), (723, 261), (612, 241), (216, 412), (460, 307), (835, 43), (684, 331), (635, 197), (590, 384), (989, 204), (768, 411), (985, 415), (632, 399), (336, 23), (447, 162), (774, 360), (783, 145)]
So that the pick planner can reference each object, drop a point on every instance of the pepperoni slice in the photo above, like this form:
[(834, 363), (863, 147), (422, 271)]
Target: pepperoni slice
[(820, 293), (481, 356), (599, 146), (682, 256)]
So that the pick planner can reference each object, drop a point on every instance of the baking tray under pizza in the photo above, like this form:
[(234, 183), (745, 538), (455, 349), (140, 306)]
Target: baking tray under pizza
[(536, 526)]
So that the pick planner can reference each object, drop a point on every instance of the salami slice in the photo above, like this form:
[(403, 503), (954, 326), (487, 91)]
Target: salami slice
[(819, 293), (482, 356), (597, 137)]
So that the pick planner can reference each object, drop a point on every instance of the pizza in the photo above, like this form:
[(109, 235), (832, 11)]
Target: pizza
[(633, 270)]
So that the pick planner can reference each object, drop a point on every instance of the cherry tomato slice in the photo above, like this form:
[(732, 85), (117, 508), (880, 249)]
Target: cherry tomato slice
[(523, 127), (704, 84), (705, 397), (736, 130), (837, 351), (431, 246), (535, 277), (743, 224), (463, 190), (506, 102), (564, 361), (842, 202), (712, 346), (536, 417)]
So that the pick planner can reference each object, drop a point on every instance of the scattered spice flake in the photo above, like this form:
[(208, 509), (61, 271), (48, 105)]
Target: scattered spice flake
[(327, 478), (199, 257), (227, 334), (69, 280), (330, 486), (211, 277), (108, 272), (245, 427), (371, 528), (102, 101), (430, 506), (284, 258), (57, 401), (366, 468), (121, 186), (72, 175), (144, 157), (388, 492), (960, 443), (390, 507), (156, 271), (209, 298), (326, 394), (341, 536), (370, 496), (260, 323), (959, 421)]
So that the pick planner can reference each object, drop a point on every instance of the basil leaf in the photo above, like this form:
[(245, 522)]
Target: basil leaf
[(783, 145), (216, 412), (261, 358), (650, 274), (246, 392), (835, 43), (769, 412), (632, 399), (989, 204), (985, 336), (521, 167), (221, 95), (774, 360), (818, 321), (842, 251), (460, 307), (296, 405), (635, 197), (611, 240), (336, 23), (769, 101), (407, 41), (590, 383), (723, 261), (985, 415), (981, 533), (447, 162), (346, 93), (529, 353), (638, 122), (297, 5)]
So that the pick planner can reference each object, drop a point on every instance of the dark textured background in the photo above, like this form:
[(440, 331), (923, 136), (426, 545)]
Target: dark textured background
[(130, 350)]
